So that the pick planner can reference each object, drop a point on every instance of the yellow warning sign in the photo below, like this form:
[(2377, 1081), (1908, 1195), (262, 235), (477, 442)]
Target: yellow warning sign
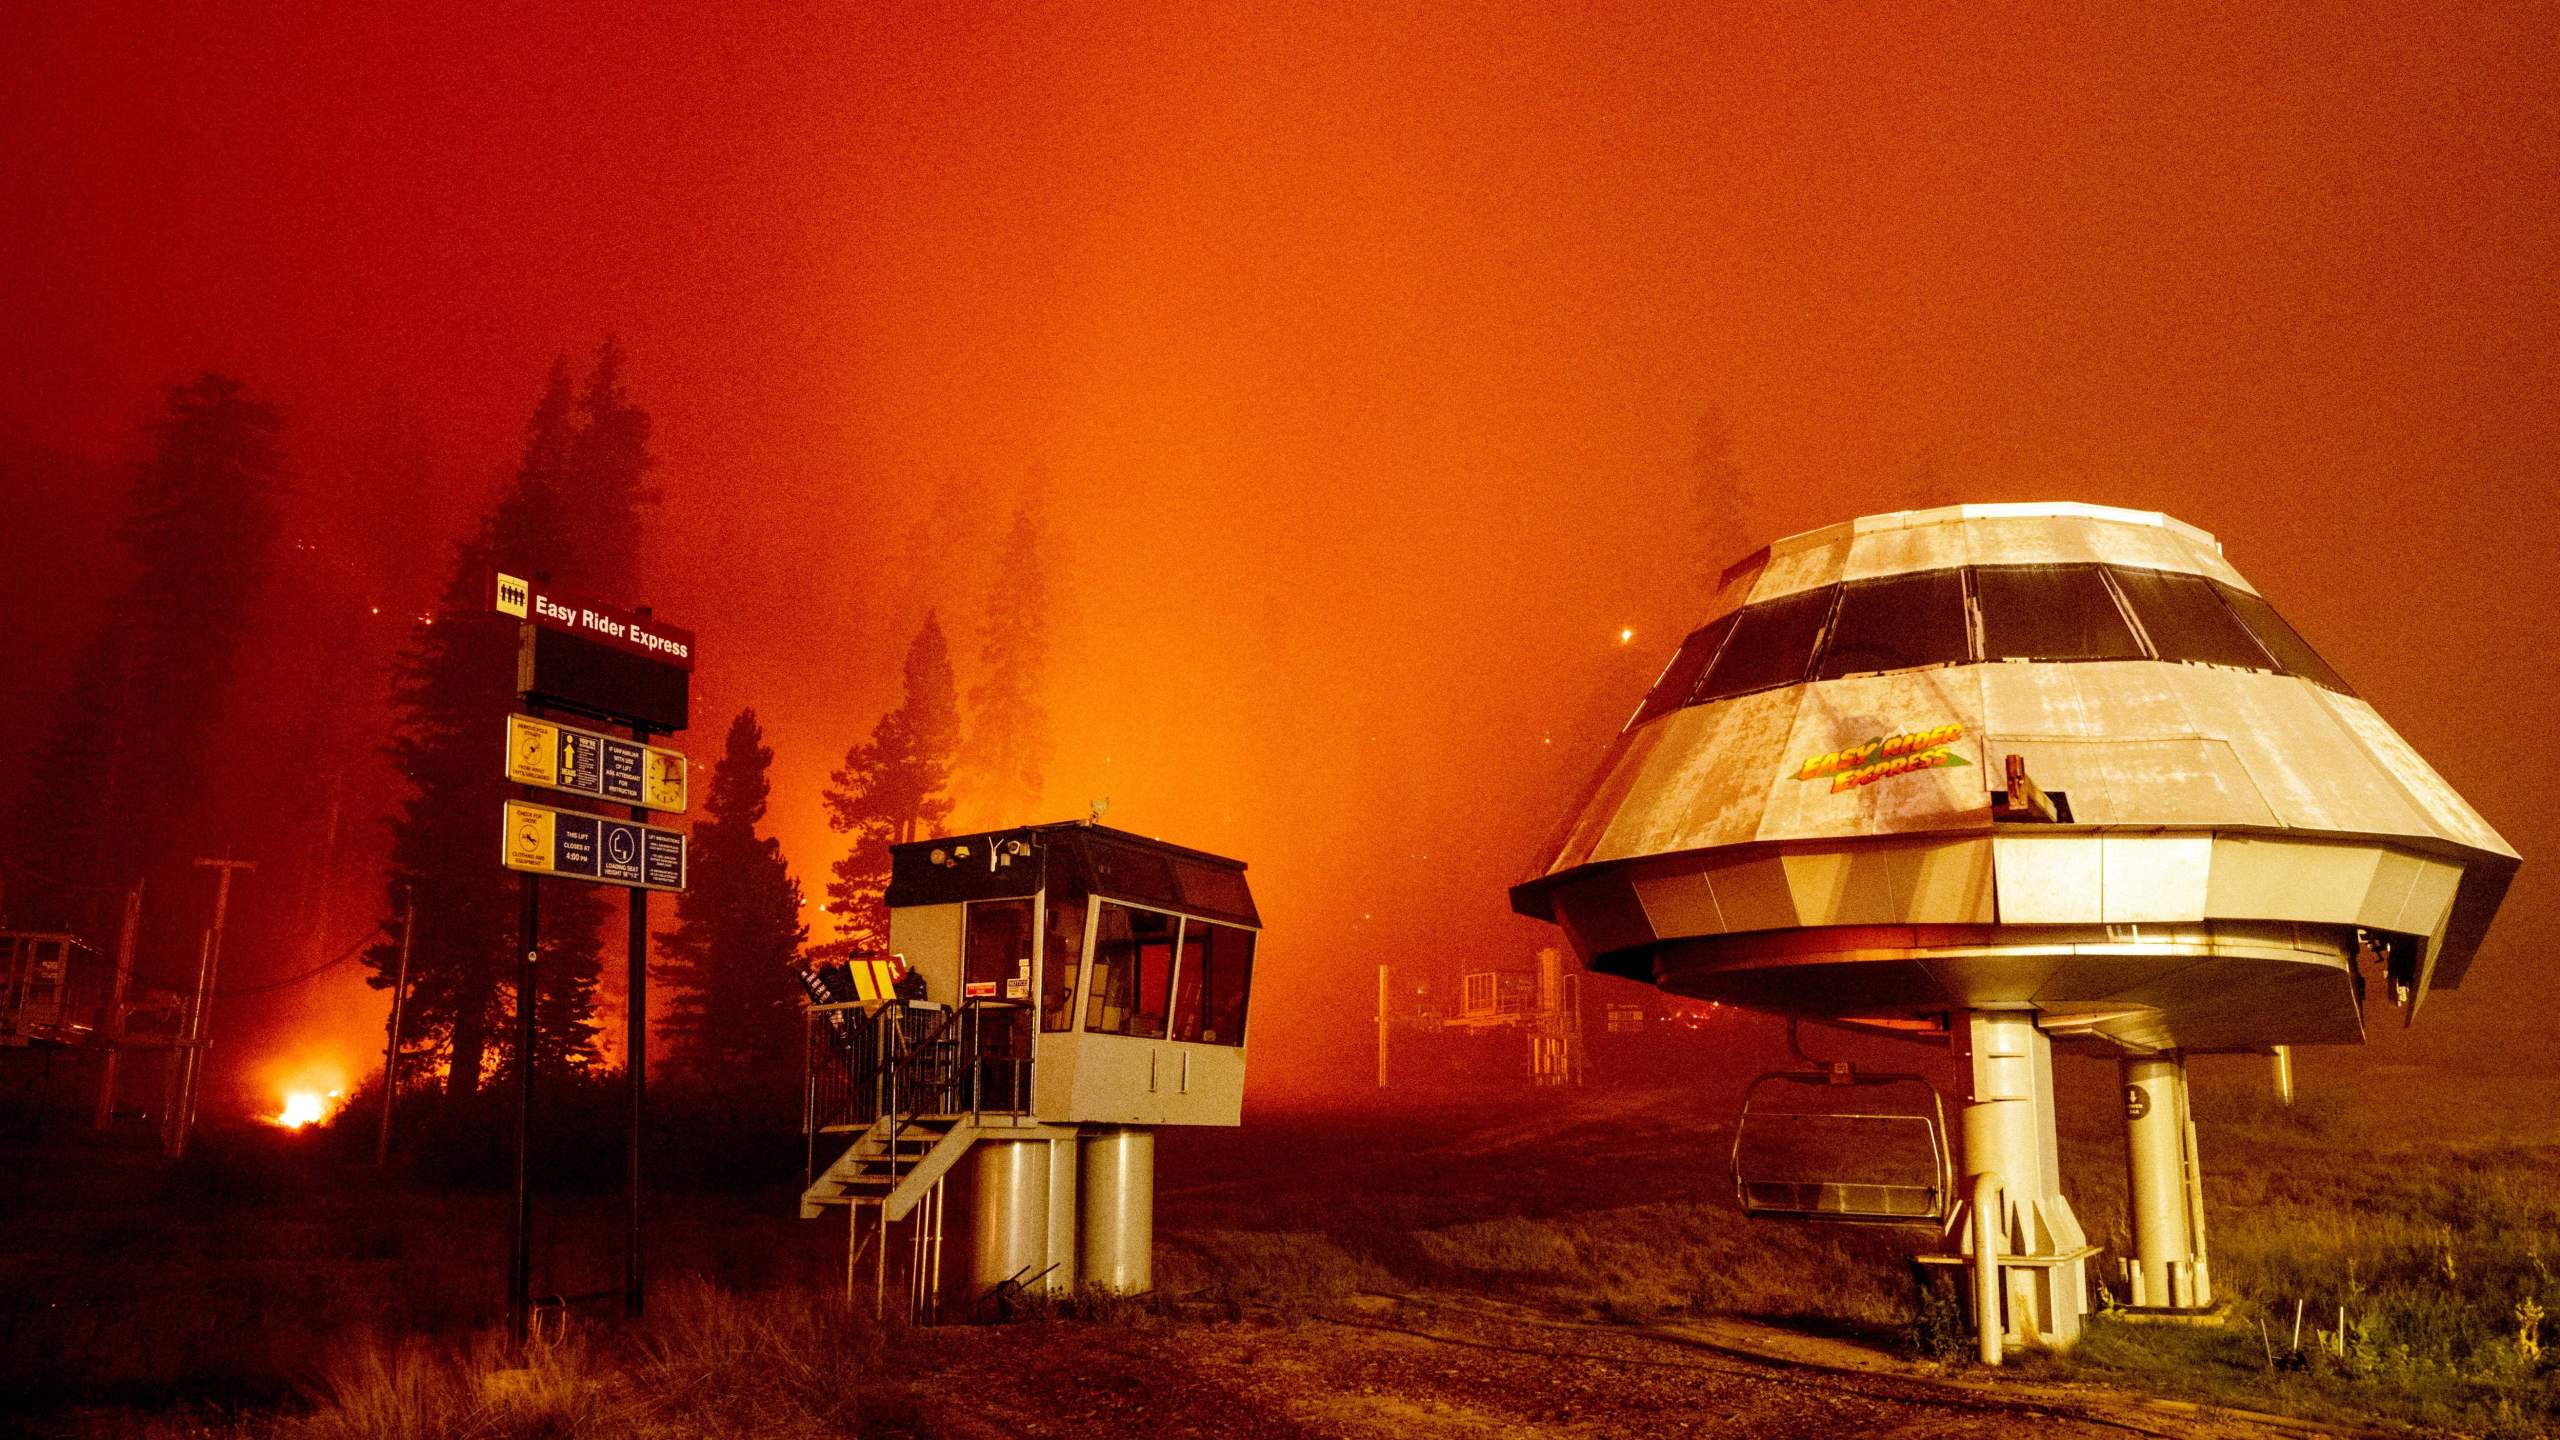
[(585, 762), (529, 837), (514, 596), (533, 751)]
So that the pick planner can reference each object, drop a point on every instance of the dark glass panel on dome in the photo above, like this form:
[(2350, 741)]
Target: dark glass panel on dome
[(1772, 644), (2187, 621), (1680, 677), (2050, 612), (1901, 622), (2291, 651)]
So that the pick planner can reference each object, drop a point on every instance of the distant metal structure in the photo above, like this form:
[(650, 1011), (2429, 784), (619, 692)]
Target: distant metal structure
[(57, 993), (1543, 1007), (1057, 993), (2007, 775), (51, 986)]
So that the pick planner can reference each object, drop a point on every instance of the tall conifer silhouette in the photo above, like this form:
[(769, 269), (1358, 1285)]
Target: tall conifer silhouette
[(894, 789), (572, 512)]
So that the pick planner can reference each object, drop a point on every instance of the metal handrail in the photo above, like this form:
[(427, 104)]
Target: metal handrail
[(879, 1062)]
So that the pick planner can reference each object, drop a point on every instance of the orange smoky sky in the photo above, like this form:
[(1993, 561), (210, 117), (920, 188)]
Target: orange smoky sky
[(1354, 357)]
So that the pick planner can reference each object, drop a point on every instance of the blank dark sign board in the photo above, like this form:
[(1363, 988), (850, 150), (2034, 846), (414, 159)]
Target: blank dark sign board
[(559, 668)]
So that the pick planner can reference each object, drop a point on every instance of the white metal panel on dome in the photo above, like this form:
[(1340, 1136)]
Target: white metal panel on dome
[(1952, 536), (2311, 768), (1700, 787), (1804, 564), (1936, 545), (2448, 814)]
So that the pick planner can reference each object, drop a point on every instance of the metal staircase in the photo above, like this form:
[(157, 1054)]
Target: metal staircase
[(915, 1088)]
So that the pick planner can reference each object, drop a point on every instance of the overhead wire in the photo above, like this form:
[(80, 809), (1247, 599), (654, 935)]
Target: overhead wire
[(324, 966)]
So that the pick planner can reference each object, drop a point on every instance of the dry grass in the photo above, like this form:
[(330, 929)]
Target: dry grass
[(2440, 1256), (708, 1362)]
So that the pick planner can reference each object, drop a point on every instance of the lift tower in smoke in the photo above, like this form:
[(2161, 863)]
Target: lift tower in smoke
[(2013, 776)]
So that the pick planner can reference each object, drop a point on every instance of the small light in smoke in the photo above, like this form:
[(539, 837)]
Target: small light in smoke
[(1626, 633)]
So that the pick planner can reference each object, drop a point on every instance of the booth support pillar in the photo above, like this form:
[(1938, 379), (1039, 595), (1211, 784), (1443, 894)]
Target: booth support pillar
[(1009, 1206), (1120, 1210), (2167, 1269), (2009, 1136), (1064, 1183)]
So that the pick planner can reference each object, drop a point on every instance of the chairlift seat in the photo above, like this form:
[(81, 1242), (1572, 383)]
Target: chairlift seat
[(1844, 1147)]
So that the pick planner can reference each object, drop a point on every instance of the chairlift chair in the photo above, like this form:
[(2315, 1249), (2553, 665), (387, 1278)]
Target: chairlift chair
[(1873, 1155)]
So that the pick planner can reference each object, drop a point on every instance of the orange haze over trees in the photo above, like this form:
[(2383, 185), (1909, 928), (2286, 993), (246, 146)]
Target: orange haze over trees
[(1357, 356)]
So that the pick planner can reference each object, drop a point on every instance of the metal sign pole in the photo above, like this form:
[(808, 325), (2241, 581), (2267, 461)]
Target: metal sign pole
[(520, 1219), (636, 1064)]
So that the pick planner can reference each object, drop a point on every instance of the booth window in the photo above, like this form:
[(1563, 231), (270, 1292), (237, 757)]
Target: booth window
[(996, 963), (1061, 957), (1214, 888), (1671, 692), (1128, 870), (1772, 645), (1132, 973), (2291, 651), (1900, 623), (1216, 981), (2187, 621), (2050, 612)]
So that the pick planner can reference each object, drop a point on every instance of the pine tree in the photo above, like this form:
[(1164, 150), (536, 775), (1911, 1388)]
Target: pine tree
[(732, 1013), (573, 513), (1007, 755), (894, 789), (119, 790)]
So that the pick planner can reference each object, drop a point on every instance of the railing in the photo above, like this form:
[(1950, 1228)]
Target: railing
[(903, 1059)]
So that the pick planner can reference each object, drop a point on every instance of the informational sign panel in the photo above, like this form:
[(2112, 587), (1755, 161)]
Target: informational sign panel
[(598, 659), (582, 762), (542, 841)]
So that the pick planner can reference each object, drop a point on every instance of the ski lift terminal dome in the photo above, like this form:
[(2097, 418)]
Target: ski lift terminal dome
[(2049, 757)]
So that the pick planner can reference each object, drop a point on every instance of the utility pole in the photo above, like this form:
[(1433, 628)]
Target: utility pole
[(391, 1045), (1385, 1023), (111, 1024), (206, 974)]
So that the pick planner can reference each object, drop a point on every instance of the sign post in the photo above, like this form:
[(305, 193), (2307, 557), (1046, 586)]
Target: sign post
[(621, 667), (635, 1030), (520, 1217)]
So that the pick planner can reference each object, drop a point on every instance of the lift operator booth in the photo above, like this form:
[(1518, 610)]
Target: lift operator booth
[(1055, 993)]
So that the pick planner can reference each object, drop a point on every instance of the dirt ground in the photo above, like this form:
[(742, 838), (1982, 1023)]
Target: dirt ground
[(1441, 1368)]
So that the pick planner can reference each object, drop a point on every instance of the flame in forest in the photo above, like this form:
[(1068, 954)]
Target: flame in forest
[(308, 1107)]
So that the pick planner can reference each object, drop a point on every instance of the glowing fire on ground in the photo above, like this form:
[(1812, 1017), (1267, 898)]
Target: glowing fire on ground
[(308, 1107)]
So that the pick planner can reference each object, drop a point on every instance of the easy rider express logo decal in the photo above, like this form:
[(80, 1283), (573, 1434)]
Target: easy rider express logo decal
[(1885, 757)]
